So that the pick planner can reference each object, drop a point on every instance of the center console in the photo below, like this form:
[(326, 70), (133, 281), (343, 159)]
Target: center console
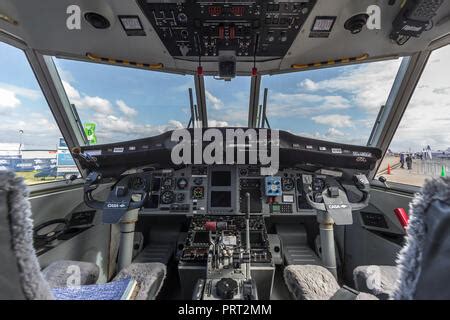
[(215, 252)]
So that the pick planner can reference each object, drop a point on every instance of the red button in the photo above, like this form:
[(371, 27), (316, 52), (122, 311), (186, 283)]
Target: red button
[(211, 225)]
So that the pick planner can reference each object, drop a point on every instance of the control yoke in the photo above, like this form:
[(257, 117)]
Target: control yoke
[(336, 204), (120, 200), (336, 209), (121, 207)]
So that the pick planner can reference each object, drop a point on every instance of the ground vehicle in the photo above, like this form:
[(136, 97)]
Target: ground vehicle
[(138, 153)]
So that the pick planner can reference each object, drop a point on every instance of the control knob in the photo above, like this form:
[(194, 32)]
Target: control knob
[(226, 288)]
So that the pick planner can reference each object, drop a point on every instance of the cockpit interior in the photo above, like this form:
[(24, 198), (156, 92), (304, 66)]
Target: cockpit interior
[(222, 150)]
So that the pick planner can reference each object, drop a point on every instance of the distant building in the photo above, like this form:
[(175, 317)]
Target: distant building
[(11, 150), (38, 154), (18, 158)]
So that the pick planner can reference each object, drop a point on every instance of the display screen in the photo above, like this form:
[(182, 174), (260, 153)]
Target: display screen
[(288, 198), (221, 179), (255, 237), (156, 184), (201, 237), (220, 199)]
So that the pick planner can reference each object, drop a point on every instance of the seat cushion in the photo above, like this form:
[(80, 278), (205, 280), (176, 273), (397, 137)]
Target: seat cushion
[(377, 280), (312, 282), (63, 273), (149, 276)]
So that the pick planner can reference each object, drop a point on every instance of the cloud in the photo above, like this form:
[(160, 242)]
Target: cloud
[(287, 105), (115, 121), (427, 118), (71, 92), (217, 124), (126, 110), (39, 130), (334, 120), (213, 101), (308, 84), (9, 95), (8, 99), (96, 103), (444, 90), (332, 132), (100, 105), (31, 94), (116, 128), (367, 84)]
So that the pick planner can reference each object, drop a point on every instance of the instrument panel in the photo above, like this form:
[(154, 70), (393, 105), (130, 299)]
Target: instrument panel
[(222, 190), (204, 28)]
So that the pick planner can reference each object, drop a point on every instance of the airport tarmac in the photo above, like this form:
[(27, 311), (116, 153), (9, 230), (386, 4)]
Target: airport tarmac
[(421, 170)]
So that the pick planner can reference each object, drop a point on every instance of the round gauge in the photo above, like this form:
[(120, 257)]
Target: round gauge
[(243, 171), (138, 183), (198, 181), (182, 183), (287, 184), (167, 184), (167, 197), (198, 193), (182, 17), (180, 197)]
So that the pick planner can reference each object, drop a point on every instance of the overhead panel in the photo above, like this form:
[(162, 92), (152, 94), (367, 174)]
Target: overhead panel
[(205, 28)]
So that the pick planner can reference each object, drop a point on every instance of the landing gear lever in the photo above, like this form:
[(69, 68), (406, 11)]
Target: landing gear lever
[(336, 209)]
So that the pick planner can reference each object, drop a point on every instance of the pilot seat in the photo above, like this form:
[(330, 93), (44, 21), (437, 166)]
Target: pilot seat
[(21, 276), (418, 274)]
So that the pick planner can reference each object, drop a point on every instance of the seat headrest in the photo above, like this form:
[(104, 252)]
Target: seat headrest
[(20, 274), (423, 263)]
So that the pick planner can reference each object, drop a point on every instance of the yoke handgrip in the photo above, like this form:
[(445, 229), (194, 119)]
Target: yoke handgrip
[(91, 184)]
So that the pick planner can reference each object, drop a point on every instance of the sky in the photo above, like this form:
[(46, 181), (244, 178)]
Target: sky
[(338, 104)]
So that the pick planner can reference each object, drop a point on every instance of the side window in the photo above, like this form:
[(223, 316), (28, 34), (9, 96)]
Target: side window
[(30, 141), (420, 148)]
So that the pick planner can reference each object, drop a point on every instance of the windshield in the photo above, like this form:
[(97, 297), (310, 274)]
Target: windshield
[(338, 104), (119, 104), (227, 101)]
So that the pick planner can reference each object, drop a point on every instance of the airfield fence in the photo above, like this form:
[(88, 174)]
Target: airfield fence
[(431, 168)]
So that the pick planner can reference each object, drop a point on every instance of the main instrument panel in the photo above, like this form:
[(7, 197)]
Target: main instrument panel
[(204, 28), (222, 190)]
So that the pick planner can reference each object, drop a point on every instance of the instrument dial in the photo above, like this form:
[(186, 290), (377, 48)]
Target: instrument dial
[(168, 184), (198, 192), (167, 197), (243, 171), (182, 183), (138, 183), (287, 184), (198, 181), (180, 197)]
